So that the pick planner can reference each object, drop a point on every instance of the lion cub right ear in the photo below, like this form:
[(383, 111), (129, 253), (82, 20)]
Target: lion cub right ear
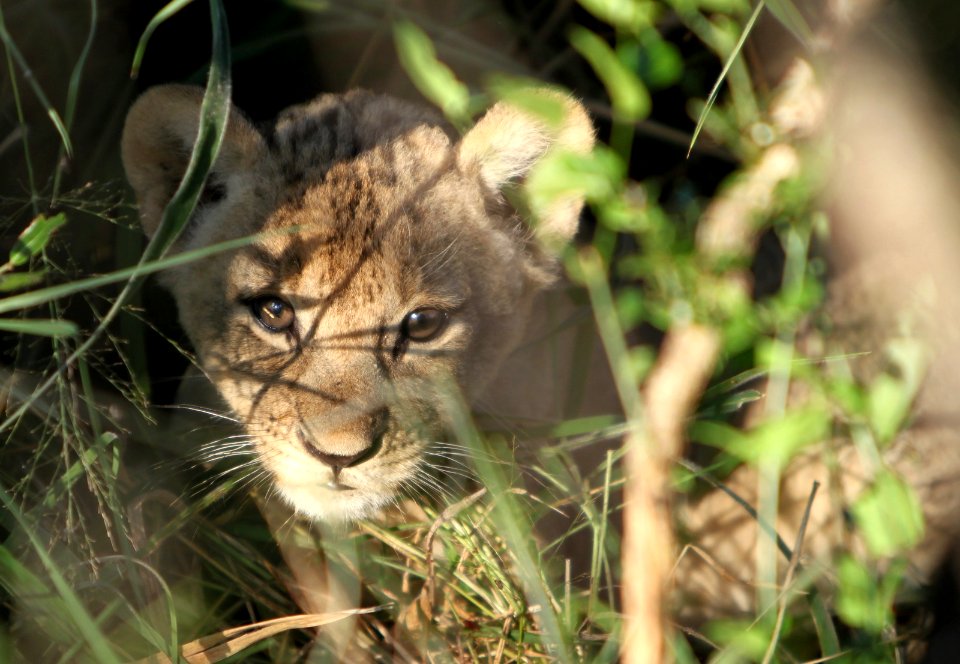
[(158, 138), (509, 141)]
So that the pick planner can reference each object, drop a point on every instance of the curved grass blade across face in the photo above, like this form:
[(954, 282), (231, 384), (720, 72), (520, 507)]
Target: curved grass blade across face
[(52, 293), (214, 112)]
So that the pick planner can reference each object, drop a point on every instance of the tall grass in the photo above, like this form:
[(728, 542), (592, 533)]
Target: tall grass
[(119, 545)]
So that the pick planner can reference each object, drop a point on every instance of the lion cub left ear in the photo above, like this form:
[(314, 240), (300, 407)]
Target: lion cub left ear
[(158, 138), (509, 141)]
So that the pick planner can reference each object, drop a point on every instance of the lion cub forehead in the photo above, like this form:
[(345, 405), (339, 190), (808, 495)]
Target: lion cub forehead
[(310, 139), (350, 247), (371, 204)]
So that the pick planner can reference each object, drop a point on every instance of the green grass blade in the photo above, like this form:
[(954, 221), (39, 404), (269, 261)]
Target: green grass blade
[(628, 94), (35, 85), (174, 640), (213, 123), (73, 91), (84, 623), (165, 13), (20, 280), (512, 524), (712, 97), (34, 238), (51, 293), (786, 12), (590, 266), (214, 112), (823, 623), (39, 328)]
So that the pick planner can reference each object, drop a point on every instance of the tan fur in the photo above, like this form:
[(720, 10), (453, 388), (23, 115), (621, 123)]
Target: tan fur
[(376, 210)]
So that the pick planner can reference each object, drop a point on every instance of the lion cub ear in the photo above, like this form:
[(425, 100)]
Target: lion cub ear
[(509, 141), (158, 137)]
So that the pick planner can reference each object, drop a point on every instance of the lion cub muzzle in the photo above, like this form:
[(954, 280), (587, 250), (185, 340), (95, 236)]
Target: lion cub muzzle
[(345, 445)]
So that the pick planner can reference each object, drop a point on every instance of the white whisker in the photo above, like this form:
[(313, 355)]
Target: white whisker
[(203, 411)]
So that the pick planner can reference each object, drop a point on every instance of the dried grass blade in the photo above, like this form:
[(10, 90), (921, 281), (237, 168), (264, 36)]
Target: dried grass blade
[(218, 646)]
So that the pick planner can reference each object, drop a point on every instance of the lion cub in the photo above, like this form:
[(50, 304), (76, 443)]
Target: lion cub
[(387, 265)]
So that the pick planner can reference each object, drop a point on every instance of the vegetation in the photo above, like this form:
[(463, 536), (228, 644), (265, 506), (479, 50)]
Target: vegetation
[(123, 541)]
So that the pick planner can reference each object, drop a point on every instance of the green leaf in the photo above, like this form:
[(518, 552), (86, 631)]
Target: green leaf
[(433, 79), (861, 601), (596, 176), (582, 425), (848, 395), (889, 516), (529, 96), (661, 64), (716, 434), (630, 307), (743, 640), (629, 96), (735, 401), (887, 405), (778, 441), (39, 327), (34, 238), (19, 280), (629, 15), (715, 6), (890, 397)]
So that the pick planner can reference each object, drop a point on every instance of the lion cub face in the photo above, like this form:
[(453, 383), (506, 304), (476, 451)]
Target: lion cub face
[(386, 271)]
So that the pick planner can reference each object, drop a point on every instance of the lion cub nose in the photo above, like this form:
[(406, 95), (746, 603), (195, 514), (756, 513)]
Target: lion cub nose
[(336, 461), (348, 445)]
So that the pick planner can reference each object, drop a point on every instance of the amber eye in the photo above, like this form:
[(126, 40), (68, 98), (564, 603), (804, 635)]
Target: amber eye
[(423, 324), (273, 313)]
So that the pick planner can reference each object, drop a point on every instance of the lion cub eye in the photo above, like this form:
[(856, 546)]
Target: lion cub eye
[(423, 324), (273, 313)]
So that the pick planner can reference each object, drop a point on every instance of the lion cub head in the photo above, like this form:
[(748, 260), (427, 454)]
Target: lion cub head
[(387, 265)]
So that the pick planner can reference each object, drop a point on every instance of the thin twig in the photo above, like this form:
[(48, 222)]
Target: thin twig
[(791, 570)]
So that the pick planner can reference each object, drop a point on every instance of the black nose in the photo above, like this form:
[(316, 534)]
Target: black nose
[(336, 461)]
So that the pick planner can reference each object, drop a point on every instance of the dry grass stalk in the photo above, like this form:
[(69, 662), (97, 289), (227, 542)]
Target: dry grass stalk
[(220, 645), (686, 361)]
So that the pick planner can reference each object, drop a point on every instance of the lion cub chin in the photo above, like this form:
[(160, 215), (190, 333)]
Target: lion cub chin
[(386, 274)]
